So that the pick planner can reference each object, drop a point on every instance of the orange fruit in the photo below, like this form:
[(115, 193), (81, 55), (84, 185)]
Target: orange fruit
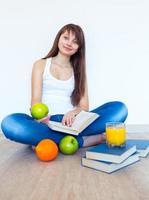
[(46, 150)]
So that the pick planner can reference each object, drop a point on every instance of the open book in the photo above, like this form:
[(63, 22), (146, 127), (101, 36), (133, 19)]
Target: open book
[(82, 120)]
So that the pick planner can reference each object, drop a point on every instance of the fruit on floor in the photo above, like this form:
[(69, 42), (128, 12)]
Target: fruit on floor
[(46, 150)]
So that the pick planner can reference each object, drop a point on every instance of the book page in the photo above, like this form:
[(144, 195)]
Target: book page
[(83, 118), (61, 126)]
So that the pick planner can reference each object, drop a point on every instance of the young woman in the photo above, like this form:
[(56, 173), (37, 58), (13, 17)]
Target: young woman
[(59, 80)]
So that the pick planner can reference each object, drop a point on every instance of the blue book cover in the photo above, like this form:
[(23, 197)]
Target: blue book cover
[(109, 167), (142, 146), (111, 154)]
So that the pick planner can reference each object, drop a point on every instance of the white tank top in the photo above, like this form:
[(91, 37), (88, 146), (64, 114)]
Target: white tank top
[(56, 93)]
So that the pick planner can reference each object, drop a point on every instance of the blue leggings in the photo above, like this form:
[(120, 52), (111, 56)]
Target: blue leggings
[(24, 129)]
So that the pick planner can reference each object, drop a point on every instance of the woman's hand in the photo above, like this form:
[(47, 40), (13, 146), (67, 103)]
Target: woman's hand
[(44, 120), (68, 118)]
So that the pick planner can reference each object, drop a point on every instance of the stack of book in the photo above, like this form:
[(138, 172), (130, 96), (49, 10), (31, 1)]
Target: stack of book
[(103, 158)]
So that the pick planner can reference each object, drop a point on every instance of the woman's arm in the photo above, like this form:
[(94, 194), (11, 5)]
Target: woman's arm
[(84, 102), (83, 105), (36, 88), (37, 74)]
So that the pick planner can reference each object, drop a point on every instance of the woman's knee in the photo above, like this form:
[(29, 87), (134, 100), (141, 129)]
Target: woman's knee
[(124, 108), (11, 125), (113, 111)]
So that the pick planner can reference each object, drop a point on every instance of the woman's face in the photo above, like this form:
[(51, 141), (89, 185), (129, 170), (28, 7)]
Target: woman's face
[(68, 44)]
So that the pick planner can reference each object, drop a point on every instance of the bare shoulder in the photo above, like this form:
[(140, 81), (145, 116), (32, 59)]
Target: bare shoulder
[(39, 65)]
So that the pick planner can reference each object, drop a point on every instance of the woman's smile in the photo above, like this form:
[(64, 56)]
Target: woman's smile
[(67, 48)]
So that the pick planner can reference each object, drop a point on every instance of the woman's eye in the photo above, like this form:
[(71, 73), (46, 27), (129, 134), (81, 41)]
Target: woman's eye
[(65, 37)]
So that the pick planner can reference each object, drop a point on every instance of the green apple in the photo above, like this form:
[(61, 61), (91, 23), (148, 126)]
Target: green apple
[(39, 110), (68, 145)]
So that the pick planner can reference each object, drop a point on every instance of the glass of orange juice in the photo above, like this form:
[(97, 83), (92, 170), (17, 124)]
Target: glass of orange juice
[(115, 134)]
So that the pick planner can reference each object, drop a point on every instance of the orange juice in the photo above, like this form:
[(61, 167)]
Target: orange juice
[(115, 134)]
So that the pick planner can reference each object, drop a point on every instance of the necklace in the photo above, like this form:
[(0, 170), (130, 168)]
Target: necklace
[(60, 65)]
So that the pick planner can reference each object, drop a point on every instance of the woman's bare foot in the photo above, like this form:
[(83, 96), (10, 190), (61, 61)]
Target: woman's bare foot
[(93, 140)]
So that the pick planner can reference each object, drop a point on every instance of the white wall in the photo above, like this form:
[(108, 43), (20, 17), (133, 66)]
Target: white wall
[(117, 41)]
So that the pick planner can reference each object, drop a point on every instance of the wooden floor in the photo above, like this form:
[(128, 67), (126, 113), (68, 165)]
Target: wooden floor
[(24, 177)]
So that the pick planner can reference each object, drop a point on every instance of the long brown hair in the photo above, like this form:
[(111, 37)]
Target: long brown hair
[(77, 60)]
